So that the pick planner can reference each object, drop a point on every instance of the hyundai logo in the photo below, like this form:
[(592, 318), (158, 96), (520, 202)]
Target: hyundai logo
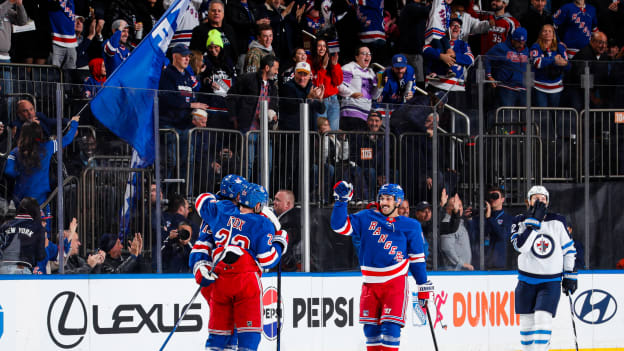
[(595, 306), (67, 320)]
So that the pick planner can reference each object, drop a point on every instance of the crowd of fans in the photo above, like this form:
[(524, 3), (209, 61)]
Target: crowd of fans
[(347, 59)]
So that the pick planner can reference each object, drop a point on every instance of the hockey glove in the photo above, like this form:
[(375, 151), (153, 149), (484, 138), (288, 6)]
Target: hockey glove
[(537, 214), (540, 211), (343, 191), (281, 238), (203, 276), (425, 292), (569, 283)]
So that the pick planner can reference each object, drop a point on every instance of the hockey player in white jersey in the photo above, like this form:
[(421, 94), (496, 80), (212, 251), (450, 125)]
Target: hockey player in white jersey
[(546, 255)]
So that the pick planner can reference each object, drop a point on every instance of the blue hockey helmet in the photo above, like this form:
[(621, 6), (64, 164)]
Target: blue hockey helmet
[(231, 186), (391, 189), (253, 194)]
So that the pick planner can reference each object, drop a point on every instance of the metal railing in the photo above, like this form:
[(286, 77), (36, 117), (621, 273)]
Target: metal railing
[(606, 143)]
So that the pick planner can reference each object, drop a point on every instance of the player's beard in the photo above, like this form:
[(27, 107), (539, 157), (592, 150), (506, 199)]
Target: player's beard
[(381, 208)]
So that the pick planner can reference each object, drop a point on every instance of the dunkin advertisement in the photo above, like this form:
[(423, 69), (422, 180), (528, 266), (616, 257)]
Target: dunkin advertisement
[(318, 312)]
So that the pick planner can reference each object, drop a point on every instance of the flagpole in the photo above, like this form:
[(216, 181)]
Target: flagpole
[(157, 180)]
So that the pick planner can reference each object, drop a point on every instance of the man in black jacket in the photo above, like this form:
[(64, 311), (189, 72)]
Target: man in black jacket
[(239, 15), (22, 240), (534, 19), (296, 91), (113, 263)]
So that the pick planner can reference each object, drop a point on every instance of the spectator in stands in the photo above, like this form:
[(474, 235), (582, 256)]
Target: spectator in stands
[(244, 101), (358, 89), (290, 219), (215, 21), (240, 15), (497, 230), (177, 212), (148, 13), (176, 248), (595, 54), (284, 21), (294, 93), (404, 208), (64, 42), (550, 61), (399, 82), (502, 25), (114, 263), (84, 42), (217, 77), (469, 24), (610, 16), (289, 73), (322, 127), (115, 50), (259, 48), (327, 73), (11, 12), (505, 67), (368, 153), (29, 162), (74, 264), (177, 100), (26, 113), (93, 83), (575, 22), (447, 73), (455, 247), (534, 19), (371, 30), (36, 30), (412, 25), (22, 240)]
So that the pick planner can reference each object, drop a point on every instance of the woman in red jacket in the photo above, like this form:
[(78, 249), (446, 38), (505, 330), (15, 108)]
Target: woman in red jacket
[(327, 72)]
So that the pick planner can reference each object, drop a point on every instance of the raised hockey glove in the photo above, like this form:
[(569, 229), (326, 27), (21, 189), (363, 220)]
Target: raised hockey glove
[(538, 212), (425, 292), (203, 276), (281, 238), (569, 283), (343, 191)]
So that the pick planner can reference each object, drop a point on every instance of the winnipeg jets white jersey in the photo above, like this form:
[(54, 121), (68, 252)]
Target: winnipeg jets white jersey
[(545, 252)]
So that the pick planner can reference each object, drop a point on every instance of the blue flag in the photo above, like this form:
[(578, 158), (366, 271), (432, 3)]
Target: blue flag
[(125, 104)]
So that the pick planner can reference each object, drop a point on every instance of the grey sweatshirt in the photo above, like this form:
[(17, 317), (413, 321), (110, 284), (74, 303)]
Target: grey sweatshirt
[(9, 14)]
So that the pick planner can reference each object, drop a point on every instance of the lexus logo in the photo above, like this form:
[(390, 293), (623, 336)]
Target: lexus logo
[(67, 320), (595, 306)]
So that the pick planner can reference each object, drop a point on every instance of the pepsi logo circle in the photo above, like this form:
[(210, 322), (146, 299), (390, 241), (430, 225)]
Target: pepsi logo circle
[(269, 313)]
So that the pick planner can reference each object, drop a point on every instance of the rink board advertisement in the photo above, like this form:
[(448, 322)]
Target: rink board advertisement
[(129, 312)]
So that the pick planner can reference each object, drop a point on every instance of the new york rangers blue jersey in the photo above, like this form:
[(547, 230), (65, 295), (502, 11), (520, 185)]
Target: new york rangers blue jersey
[(548, 76), (251, 235), (575, 26), (463, 59), (388, 246), (370, 15), (62, 23), (202, 249), (545, 253), (115, 53)]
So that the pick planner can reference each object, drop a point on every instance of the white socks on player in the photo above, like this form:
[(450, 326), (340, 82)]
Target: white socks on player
[(535, 331)]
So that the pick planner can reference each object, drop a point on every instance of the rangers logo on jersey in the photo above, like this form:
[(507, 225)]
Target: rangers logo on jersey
[(543, 246)]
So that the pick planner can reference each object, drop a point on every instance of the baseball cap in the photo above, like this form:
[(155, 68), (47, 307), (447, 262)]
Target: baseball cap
[(214, 38), (374, 113), (303, 67), (520, 34), (458, 20), (107, 241), (399, 61), (422, 205), (181, 49)]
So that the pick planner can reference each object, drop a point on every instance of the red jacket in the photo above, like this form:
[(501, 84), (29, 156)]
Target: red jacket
[(331, 83)]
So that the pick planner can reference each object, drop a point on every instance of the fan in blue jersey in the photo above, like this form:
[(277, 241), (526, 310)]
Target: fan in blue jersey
[(549, 60), (247, 242), (546, 255), (388, 246), (575, 23)]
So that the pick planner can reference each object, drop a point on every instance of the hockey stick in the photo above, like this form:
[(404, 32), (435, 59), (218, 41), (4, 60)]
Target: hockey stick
[(186, 308), (573, 323), (435, 343)]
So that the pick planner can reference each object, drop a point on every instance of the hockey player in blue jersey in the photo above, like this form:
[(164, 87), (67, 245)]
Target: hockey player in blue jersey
[(546, 255), (250, 244), (389, 246)]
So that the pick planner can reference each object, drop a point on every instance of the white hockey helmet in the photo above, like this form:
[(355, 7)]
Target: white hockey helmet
[(538, 189)]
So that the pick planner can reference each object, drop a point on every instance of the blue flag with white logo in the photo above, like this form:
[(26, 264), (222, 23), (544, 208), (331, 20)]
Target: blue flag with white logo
[(125, 104)]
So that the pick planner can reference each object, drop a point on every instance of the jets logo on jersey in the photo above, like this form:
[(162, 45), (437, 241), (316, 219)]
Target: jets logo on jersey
[(543, 246), (269, 320)]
